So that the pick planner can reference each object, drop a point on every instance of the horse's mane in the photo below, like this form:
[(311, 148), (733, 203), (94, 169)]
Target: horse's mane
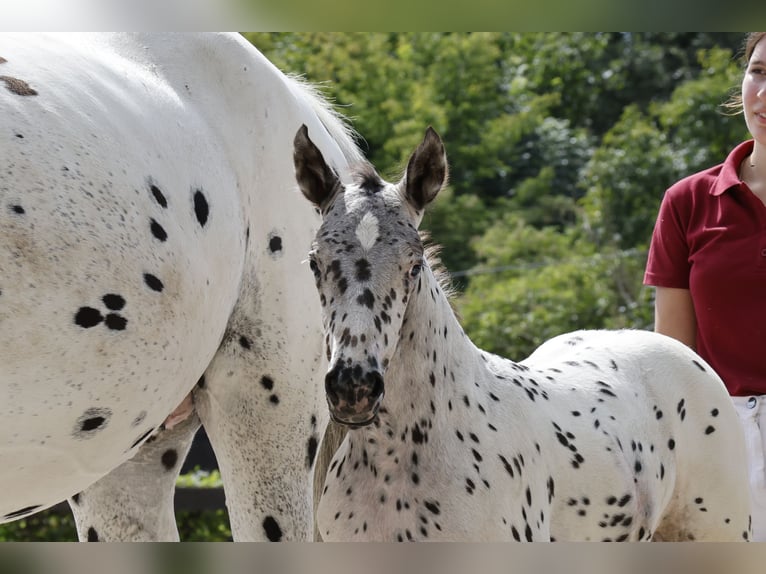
[(334, 122), (366, 177)]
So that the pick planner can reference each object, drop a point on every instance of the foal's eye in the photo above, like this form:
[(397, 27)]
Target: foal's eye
[(415, 270)]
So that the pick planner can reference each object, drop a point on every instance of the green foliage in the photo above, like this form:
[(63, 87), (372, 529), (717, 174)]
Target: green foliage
[(43, 526), (199, 478), (452, 223), (203, 526), (625, 180), (49, 526), (701, 129), (193, 526)]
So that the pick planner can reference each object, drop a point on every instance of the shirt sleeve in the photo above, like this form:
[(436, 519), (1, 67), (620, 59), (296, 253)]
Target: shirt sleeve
[(668, 261)]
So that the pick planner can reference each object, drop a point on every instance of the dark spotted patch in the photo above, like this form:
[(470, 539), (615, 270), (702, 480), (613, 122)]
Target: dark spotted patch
[(363, 270), (92, 535), (272, 529), (367, 299), (244, 342), (18, 87), (201, 382), (201, 208), (22, 512), (139, 419), (2, 60), (153, 282), (169, 458), (267, 383), (113, 302), (88, 317), (116, 322), (91, 421), (159, 197), (157, 230), (432, 507), (275, 244), (698, 365), (18, 210), (311, 450), (76, 498)]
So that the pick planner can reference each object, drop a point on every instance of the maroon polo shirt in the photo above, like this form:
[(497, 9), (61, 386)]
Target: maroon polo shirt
[(710, 238)]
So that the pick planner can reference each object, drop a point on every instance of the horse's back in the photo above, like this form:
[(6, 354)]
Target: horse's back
[(121, 253)]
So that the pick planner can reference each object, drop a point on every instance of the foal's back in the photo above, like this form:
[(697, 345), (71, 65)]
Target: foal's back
[(634, 417)]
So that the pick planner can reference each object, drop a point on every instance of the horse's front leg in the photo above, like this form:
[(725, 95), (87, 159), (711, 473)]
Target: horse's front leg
[(134, 502)]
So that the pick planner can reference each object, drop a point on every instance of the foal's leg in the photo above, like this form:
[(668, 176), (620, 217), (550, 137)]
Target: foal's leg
[(134, 502)]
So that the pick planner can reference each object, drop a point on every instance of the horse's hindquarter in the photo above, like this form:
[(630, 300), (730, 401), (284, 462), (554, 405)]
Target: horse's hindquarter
[(656, 435), (121, 253)]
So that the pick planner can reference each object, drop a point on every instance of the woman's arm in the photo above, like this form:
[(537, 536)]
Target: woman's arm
[(674, 315)]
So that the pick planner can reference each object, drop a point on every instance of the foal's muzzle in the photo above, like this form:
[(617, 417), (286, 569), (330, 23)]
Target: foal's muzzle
[(353, 394)]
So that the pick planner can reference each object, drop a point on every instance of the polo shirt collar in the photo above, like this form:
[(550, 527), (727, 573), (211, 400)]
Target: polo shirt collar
[(728, 177)]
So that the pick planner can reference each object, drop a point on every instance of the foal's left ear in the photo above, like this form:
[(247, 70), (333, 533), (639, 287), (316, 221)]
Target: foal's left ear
[(426, 171), (317, 180)]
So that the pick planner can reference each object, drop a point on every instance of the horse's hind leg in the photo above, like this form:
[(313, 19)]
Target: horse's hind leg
[(265, 433), (705, 519), (711, 499), (134, 502), (263, 408)]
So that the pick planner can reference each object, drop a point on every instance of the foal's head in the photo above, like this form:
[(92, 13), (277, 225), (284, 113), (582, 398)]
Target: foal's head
[(367, 258)]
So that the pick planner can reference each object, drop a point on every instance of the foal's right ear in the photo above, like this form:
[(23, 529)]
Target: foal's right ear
[(317, 180)]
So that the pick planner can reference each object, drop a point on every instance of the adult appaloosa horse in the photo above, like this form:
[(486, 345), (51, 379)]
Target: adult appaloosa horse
[(598, 435), (152, 245)]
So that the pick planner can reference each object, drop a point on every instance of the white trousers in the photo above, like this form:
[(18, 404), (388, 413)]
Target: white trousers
[(752, 413)]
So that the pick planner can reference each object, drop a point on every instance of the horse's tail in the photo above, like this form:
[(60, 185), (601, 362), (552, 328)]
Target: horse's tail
[(336, 124)]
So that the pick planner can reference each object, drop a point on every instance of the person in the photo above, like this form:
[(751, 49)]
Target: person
[(707, 261)]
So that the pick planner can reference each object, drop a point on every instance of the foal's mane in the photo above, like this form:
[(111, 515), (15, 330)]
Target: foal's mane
[(440, 272)]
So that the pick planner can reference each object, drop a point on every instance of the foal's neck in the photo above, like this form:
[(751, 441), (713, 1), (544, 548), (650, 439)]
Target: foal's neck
[(433, 369)]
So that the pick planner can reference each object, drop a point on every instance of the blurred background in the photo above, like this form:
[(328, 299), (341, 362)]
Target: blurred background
[(561, 145)]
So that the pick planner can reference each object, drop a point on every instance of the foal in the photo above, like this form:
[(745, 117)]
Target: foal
[(599, 435)]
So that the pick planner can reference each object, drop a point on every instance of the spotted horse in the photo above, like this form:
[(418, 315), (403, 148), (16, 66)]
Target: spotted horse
[(152, 265), (598, 435)]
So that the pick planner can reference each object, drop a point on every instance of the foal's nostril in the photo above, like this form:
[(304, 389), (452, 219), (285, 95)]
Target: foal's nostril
[(331, 385), (375, 380)]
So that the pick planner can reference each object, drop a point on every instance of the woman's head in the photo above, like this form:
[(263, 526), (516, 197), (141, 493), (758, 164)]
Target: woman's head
[(753, 94), (752, 40)]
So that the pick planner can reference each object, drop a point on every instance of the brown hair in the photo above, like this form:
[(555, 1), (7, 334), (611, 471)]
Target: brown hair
[(751, 40), (734, 104)]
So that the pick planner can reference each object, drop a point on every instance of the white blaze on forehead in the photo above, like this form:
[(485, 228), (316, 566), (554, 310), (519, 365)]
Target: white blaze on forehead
[(367, 231)]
